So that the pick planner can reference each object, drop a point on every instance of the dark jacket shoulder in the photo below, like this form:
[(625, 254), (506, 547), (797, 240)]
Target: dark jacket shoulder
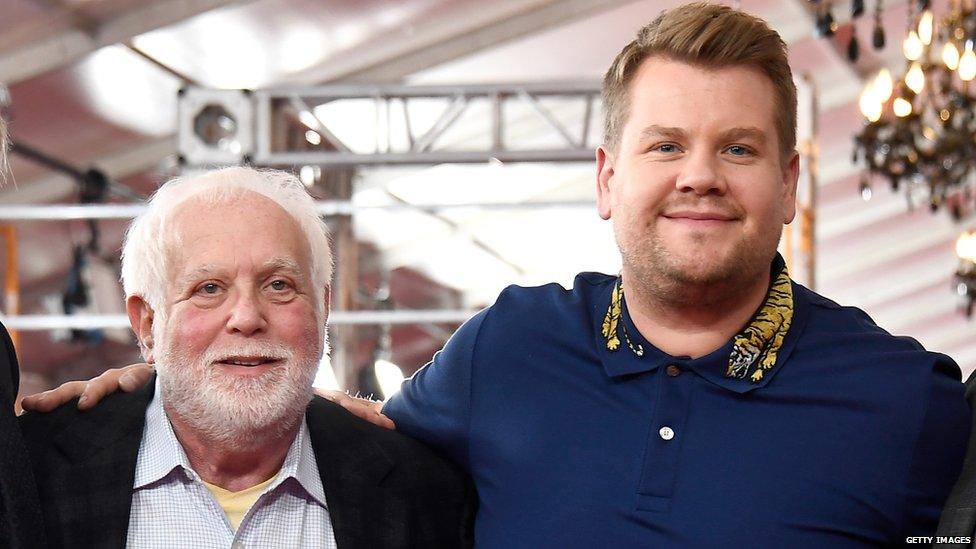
[(412, 464), (394, 491), (958, 520), (20, 513), (76, 434), (84, 463), (349, 427), (9, 372)]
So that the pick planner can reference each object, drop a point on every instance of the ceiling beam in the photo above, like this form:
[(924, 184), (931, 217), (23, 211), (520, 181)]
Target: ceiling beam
[(439, 41), (436, 43), (119, 164), (51, 52)]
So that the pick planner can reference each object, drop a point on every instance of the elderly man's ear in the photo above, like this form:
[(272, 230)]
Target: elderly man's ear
[(141, 320)]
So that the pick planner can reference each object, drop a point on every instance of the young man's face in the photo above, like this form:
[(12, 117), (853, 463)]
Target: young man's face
[(698, 191)]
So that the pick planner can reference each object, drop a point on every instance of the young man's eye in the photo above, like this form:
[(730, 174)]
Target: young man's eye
[(738, 150), (667, 148)]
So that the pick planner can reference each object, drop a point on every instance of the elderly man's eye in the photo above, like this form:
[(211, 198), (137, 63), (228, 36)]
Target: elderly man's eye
[(279, 285), (210, 288)]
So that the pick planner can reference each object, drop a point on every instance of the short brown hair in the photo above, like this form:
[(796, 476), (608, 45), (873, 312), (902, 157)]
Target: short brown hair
[(711, 36)]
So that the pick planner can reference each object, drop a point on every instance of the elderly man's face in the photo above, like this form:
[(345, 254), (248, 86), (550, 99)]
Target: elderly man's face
[(239, 343), (697, 190)]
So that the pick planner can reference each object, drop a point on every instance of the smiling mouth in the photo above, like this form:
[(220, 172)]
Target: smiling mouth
[(248, 362), (703, 222), (695, 216)]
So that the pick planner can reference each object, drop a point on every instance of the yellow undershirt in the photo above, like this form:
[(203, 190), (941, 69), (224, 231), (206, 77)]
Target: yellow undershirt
[(236, 504)]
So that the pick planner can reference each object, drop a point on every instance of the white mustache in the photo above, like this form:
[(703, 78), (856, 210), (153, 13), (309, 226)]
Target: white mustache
[(273, 351)]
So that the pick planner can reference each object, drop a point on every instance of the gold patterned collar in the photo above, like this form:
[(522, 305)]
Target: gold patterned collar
[(754, 349)]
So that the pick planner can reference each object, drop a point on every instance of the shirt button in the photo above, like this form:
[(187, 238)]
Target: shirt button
[(673, 370), (238, 545), (666, 433)]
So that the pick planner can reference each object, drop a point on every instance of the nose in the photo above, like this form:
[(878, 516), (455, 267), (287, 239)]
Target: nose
[(700, 174), (247, 316)]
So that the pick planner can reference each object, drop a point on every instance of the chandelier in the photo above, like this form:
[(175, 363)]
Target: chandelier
[(919, 130), (966, 272)]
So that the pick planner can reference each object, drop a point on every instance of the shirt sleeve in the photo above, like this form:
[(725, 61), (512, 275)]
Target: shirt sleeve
[(434, 405), (939, 450)]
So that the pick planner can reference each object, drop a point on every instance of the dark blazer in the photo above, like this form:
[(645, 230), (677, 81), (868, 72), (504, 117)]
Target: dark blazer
[(20, 512), (384, 490), (959, 514)]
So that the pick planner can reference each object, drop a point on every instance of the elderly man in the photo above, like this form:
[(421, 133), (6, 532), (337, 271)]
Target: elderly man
[(700, 398), (226, 277)]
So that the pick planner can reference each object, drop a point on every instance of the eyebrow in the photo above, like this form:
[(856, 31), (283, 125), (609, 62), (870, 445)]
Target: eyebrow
[(284, 264), (204, 271), (662, 131), (735, 134), (732, 134)]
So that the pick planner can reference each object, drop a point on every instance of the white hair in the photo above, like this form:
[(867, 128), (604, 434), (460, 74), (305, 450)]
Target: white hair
[(144, 257)]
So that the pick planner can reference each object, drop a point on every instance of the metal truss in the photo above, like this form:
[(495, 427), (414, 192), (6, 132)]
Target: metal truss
[(256, 119), (336, 318), (55, 212)]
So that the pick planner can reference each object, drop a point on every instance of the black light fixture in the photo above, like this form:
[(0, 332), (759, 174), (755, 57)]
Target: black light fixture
[(919, 127), (825, 23)]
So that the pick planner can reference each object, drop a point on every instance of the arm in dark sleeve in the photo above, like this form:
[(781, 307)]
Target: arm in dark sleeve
[(9, 373), (939, 450), (434, 405)]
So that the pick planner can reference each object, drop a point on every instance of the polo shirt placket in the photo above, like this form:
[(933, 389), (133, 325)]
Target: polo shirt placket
[(676, 382), (662, 454)]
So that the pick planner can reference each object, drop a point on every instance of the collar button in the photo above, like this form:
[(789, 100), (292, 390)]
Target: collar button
[(673, 370)]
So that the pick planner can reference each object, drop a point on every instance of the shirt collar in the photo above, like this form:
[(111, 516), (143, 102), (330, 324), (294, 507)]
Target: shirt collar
[(745, 363), (160, 453), (300, 465)]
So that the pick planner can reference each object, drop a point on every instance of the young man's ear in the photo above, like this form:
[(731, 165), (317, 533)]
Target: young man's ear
[(604, 173), (791, 177), (141, 320)]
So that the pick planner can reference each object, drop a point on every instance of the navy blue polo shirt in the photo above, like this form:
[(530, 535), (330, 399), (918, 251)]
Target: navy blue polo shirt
[(853, 439)]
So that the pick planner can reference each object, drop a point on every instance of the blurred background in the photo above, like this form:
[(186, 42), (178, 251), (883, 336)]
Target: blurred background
[(450, 144)]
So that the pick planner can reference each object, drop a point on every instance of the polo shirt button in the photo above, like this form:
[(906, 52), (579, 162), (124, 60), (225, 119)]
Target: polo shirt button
[(673, 370), (666, 433)]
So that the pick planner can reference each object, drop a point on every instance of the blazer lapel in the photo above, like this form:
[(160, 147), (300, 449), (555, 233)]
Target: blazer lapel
[(101, 447), (352, 467)]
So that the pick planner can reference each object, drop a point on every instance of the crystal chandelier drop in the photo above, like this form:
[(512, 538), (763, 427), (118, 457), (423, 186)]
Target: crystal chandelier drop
[(920, 127)]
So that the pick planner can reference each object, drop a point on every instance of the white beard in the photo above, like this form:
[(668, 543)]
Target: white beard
[(230, 410)]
